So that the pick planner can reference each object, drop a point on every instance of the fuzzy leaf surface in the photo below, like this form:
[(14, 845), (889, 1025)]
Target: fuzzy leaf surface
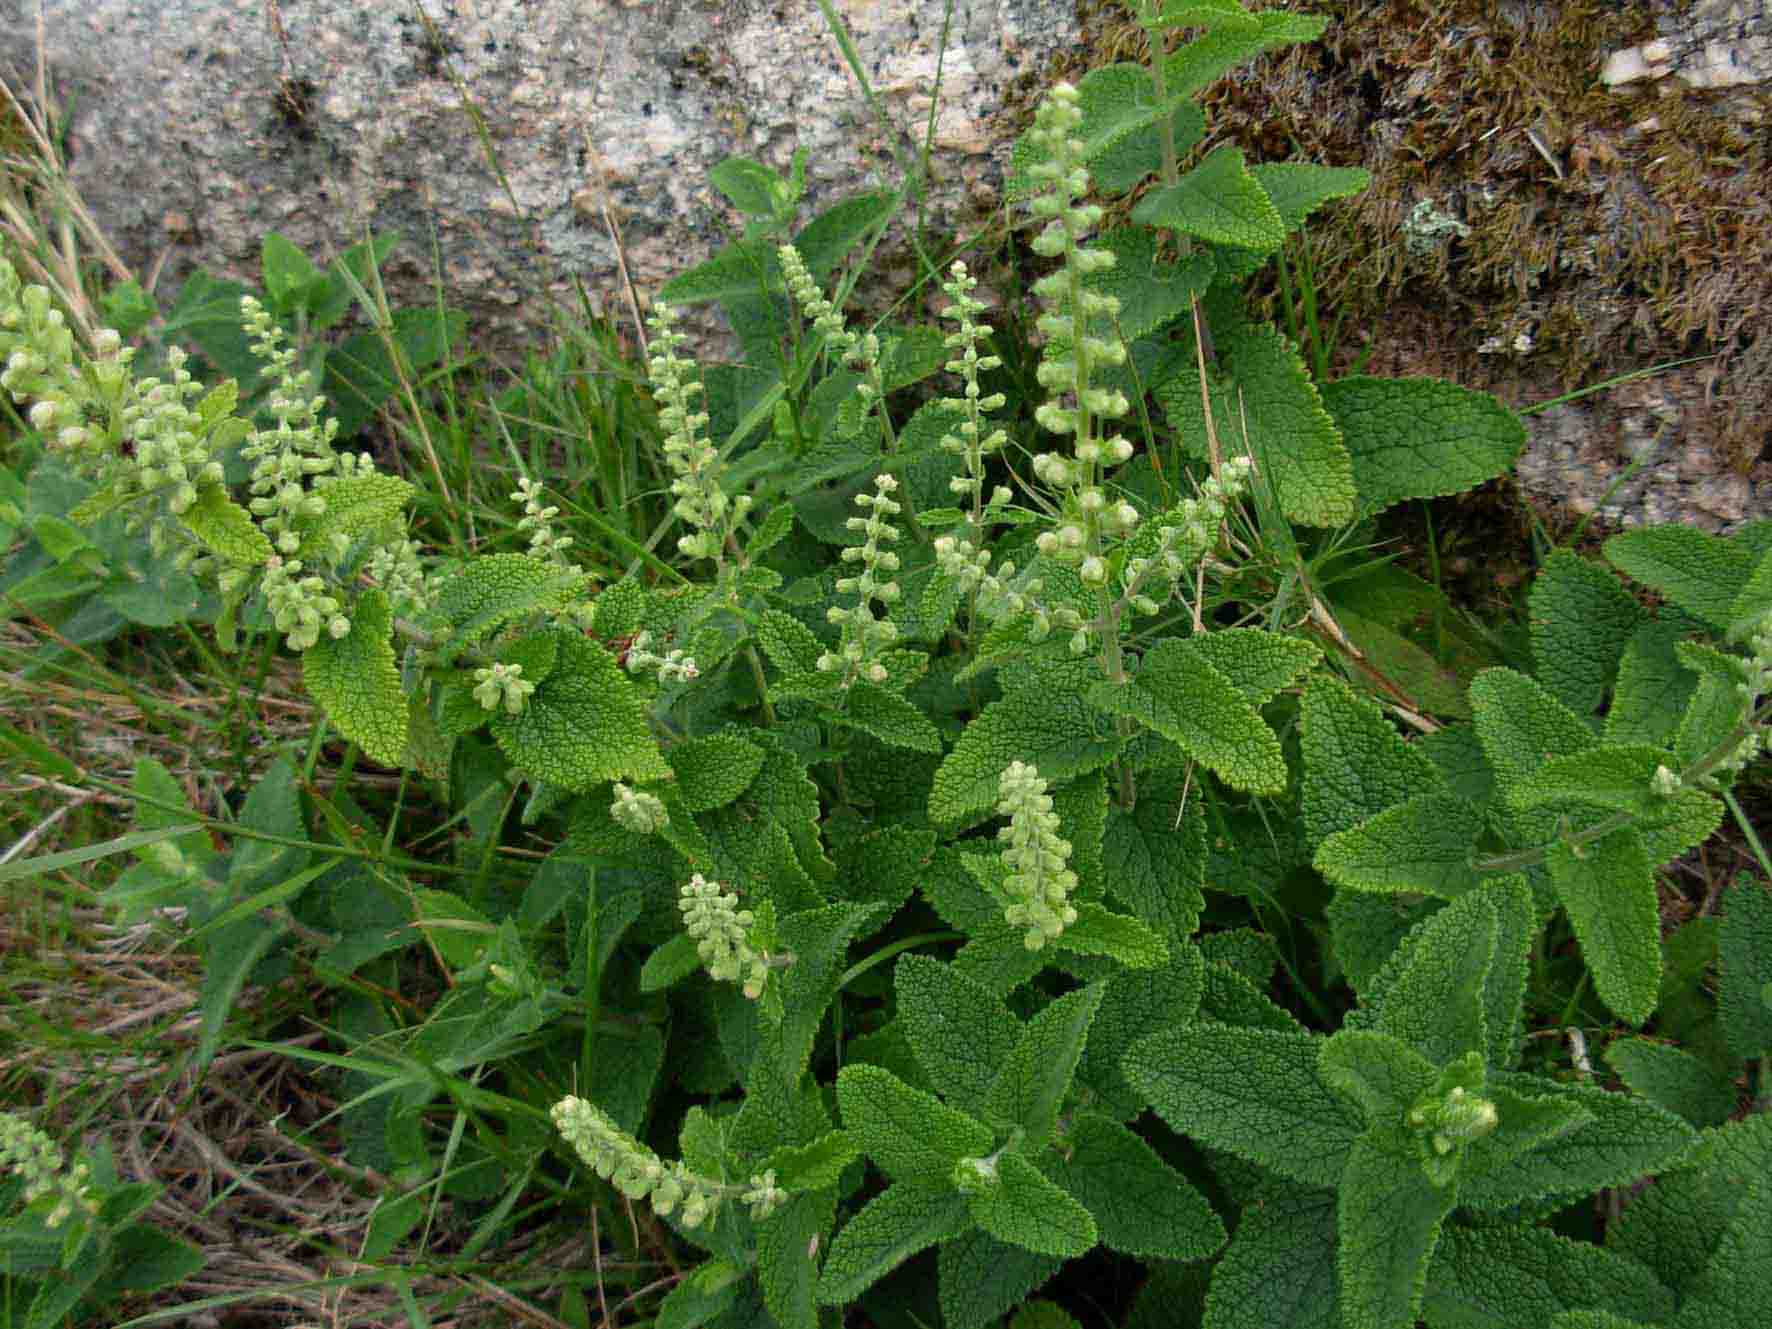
[(1422, 845), (1018, 1205), (1608, 890), (1134, 1005), (356, 679), (1253, 1092), (981, 1278), (960, 1033), (1154, 857), (1356, 764), (912, 1136), (891, 1227), (1744, 955), (1673, 1079), (1059, 734), (1700, 572), (496, 589), (891, 719), (713, 771), (226, 529), (1279, 1270), (1522, 726), (1031, 1086), (1140, 1204), (1500, 1277), (585, 724), (1582, 621), (1217, 201), (1388, 1220)]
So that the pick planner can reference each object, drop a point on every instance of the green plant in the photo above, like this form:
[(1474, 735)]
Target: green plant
[(77, 1246), (1013, 670)]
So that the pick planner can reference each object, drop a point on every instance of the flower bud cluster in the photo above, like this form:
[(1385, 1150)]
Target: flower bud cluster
[(394, 567), (695, 462), (1148, 580), (291, 457), (38, 353), (301, 606), (970, 440), (641, 813), (720, 930), (826, 317), (640, 1174), (1756, 682), (671, 667), (34, 1156), (1040, 880), (1453, 1120), (866, 636), (538, 521), (502, 684)]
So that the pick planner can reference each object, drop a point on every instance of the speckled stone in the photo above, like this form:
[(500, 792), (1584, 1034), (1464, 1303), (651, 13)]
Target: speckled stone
[(199, 125), (1710, 44)]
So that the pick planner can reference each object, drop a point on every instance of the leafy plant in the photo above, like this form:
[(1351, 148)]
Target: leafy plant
[(991, 678)]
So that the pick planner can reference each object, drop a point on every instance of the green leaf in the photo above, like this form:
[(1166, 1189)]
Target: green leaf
[(1608, 888), (361, 373), (818, 939), (1279, 1271), (225, 528), (1356, 764), (369, 504), (356, 680), (1423, 845), (229, 955), (1521, 725), (1217, 201), (1154, 857), (1253, 1092), (1262, 392), (1099, 931), (1231, 999), (1653, 686), (1298, 189), (585, 724), (1011, 1200), (713, 771), (143, 1260), (1582, 621), (1030, 1087), (1420, 437), (960, 1033), (288, 273), (1623, 1139), (1674, 1080), (753, 188), (786, 1244), (910, 1135), (891, 719), (1058, 733), (981, 1278), (1379, 1072), (1119, 108), (707, 1292), (1182, 696), (815, 1166), (1136, 1004), (892, 1227), (1434, 999), (1614, 775), (670, 963), (1703, 574), (1152, 291), (1733, 1289), (1744, 955), (1140, 1204), (1190, 68), (1388, 1218), (1503, 1277), (496, 589)]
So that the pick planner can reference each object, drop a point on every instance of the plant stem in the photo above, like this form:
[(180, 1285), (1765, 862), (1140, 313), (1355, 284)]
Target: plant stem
[(898, 947)]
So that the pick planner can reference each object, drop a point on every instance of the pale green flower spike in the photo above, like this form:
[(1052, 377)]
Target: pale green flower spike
[(641, 813), (719, 928), (34, 1156), (1039, 882), (538, 521), (502, 684), (671, 667), (701, 502), (867, 636), (298, 450), (826, 317), (300, 606)]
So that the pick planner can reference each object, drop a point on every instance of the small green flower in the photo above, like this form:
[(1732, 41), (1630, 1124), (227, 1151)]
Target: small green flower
[(502, 684), (1040, 881), (641, 813), (720, 930), (34, 1156)]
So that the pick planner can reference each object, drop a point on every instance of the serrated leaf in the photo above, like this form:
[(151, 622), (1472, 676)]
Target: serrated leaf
[(1702, 573), (786, 1244), (1099, 931), (818, 939), (1420, 437), (1378, 1071), (1614, 775), (706, 1293), (891, 719), (1608, 888), (1193, 66), (1218, 201), (356, 680), (670, 963), (1653, 686), (1279, 1271), (1298, 189), (1625, 1139), (1356, 764), (775, 527), (1152, 291), (586, 723), (1263, 401), (1253, 1092), (1521, 725), (960, 1033), (1154, 857), (1231, 999), (980, 1278), (618, 610), (1059, 734), (1733, 1289), (713, 771), (1014, 1203), (1140, 1204), (1582, 621), (1673, 1079), (1422, 845), (1435, 1002), (1118, 104), (1030, 1087), (1388, 1218), (225, 528), (892, 1227), (357, 505), (1501, 1277), (1181, 695), (814, 1166), (1259, 664), (496, 589), (910, 1135), (1744, 956)]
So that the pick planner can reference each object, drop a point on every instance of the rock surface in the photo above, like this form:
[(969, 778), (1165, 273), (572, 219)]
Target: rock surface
[(201, 124)]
